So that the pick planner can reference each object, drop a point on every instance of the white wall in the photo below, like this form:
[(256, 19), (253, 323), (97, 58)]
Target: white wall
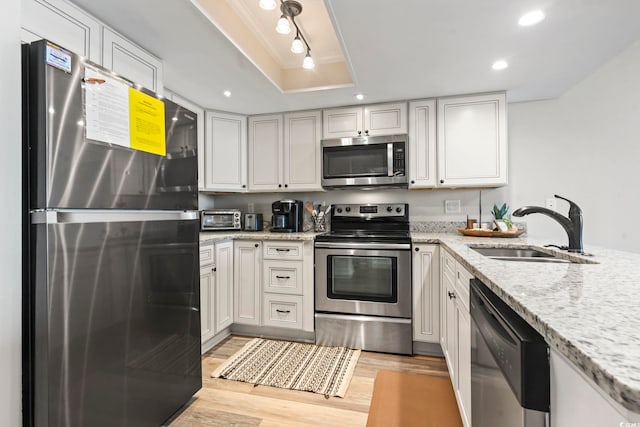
[(10, 217), (585, 146)]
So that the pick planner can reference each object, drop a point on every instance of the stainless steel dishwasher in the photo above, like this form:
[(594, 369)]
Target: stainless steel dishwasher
[(509, 365)]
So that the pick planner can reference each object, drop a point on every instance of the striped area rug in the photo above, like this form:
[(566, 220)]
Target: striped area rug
[(295, 366)]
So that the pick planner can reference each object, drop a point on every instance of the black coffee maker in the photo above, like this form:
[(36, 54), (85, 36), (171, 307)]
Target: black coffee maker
[(287, 216)]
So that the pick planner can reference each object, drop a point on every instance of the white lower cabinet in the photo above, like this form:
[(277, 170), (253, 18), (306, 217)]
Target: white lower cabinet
[(426, 293), (216, 291), (456, 330), (282, 310), (247, 262)]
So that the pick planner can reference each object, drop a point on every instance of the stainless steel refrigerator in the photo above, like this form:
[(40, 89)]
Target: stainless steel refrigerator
[(111, 283)]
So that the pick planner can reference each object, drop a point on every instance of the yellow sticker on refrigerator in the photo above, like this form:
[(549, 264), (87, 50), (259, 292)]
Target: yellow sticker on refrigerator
[(146, 123)]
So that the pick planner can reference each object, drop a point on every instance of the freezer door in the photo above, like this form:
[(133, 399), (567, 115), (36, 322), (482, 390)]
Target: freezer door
[(69, 171), (117, 323)]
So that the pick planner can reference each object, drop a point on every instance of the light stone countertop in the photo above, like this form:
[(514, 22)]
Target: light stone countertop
[(589, 312), (216, 236)]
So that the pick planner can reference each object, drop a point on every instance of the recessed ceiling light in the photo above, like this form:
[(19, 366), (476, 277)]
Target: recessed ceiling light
[(227, 93), (360, 96), (500, 65), (531, 18)]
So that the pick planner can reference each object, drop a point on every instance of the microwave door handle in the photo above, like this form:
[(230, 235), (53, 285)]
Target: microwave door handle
[(390, 159)]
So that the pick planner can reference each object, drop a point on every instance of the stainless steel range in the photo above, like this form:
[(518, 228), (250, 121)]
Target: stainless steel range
[(363, 279)]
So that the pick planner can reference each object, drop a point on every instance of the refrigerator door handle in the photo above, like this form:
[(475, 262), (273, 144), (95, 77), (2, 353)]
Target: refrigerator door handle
[(69, 216)]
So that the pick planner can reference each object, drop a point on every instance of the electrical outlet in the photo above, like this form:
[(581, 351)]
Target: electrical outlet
[(550, 204), (250, 207), (452, 206)]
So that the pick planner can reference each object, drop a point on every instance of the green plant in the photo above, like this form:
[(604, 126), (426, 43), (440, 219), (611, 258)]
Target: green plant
[(500, 213)]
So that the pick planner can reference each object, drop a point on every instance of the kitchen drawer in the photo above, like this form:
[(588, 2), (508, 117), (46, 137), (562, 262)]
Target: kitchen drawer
[(448, 265), (282, 250), (206, 254), (284, 311), (462, 284), (283, 277)]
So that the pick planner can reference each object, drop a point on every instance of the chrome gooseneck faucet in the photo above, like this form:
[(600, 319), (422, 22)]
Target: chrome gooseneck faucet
[(572, 225)]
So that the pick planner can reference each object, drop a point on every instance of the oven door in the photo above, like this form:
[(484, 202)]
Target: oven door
[(360, 278)]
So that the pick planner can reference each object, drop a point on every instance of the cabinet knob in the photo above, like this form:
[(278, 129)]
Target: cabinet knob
[(244, 185), (359, 132), (413, 182), (366, 132), (279, 185), (451, 294), (213, 269), (442, 181), (286, 185), (417, 249), (256, 245)]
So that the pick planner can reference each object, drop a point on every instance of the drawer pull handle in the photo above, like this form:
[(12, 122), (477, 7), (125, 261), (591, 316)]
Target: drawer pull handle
[(283, 250), (451, 294), (283, 277), (283, 311)]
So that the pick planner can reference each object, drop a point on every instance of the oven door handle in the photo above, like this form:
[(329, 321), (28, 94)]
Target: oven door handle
[(359, 245)]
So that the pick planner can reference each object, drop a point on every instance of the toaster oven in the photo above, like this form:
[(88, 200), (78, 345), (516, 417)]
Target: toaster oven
[(220, 219)]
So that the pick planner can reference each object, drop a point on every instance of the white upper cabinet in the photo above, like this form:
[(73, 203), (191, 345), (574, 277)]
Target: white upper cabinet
[(64, 24), (302, 151), (199, 112), (284, 152), (342, 122), (225, 163), (371, 120), (385, 119), (130, 61), (472, 141), (422, 144), (265, 153)]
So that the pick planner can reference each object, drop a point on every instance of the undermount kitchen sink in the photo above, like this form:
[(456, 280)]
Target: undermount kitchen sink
[(518, 254)]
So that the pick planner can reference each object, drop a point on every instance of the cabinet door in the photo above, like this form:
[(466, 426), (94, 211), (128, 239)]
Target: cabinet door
[(199, 112), (385, 119), (130, 61), (225, 163), (302, 151), (426, 293), (342, 122), (463, 363), (265, 153), (207, 303), (472, 141), (224, 285), (247, 263), (64, 24), (422, 144)]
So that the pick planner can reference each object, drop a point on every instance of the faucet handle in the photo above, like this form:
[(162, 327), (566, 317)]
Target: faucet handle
[(574, 209)]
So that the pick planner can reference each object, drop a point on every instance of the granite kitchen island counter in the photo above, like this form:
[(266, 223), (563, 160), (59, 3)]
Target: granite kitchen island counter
[(590, 313)]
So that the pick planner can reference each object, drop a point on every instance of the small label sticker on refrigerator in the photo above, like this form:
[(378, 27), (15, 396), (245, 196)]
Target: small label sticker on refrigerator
[(58, 58)]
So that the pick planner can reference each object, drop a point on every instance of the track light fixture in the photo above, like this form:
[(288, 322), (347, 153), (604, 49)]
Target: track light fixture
[(290, 9)]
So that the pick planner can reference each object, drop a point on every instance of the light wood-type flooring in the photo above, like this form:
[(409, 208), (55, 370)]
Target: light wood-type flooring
[(223, 402)]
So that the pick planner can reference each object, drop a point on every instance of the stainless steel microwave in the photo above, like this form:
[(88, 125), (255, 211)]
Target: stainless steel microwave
[(365, 162), (220, 219)]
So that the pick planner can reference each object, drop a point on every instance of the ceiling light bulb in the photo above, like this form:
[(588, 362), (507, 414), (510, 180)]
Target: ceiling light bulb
[(227, 93), (268, 4), (500, 65), (297, 46), (283, 26), (531, 18), (360, 97), (308, 63)]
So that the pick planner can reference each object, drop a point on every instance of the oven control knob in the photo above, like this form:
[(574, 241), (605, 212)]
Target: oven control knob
[(398, 209), (389, 208), (348, 209), (339, 210)]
